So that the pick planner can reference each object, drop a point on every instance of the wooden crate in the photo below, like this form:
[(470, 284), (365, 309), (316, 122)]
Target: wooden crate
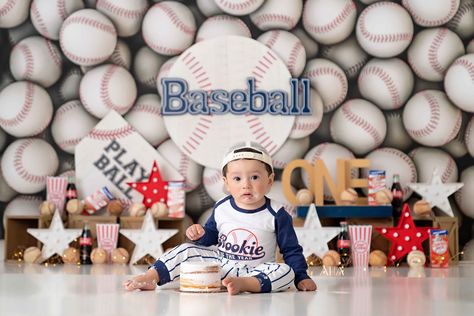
[(443, 222), (133, 222), (77, 221), (16, 235)]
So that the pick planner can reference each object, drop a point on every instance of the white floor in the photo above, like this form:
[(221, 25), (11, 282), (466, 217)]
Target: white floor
[(29, 289)]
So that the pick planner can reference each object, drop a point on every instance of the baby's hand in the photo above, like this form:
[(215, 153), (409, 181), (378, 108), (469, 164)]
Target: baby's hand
[(194, 232), (307, 285)]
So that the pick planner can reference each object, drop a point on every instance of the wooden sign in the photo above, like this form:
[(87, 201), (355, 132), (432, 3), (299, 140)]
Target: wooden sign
[(318, 173)]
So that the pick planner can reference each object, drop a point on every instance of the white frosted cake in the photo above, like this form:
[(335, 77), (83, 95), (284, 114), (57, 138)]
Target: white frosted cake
[(200, 277)]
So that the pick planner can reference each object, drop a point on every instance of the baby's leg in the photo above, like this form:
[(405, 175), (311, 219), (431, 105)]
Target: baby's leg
[(145, 281)]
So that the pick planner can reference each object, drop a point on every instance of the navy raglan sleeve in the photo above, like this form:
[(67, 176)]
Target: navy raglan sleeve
[(289, 246), (211, 235)]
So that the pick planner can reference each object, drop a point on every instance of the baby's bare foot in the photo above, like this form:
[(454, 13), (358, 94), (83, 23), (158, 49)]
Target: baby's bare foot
[(241, 284), (233, 285), (141, 282)]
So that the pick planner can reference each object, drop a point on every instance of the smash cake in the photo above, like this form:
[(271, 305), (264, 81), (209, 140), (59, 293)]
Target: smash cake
[(200, 277)]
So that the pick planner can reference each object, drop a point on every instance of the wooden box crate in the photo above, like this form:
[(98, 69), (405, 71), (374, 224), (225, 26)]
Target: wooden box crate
[(16, 235), (132, 222), (443, 222)]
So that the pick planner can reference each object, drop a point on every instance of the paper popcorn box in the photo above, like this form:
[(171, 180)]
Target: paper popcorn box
[(176, 199), (107, 237), (360, 238), (56, 192)]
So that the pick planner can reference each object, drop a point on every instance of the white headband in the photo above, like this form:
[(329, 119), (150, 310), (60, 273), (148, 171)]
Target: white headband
[(260, 156)]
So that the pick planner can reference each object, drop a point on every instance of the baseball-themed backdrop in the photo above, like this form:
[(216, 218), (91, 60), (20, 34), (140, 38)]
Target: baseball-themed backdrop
[(394, 80)]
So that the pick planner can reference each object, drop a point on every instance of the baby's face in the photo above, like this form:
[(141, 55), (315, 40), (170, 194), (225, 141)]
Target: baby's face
[(248, 182)]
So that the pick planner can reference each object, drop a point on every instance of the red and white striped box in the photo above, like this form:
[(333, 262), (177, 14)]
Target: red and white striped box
[(176, 199), (107, 237), (56, 192), (361, 236)]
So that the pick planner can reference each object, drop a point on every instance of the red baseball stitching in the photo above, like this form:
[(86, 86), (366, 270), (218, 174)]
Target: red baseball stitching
[(331, 26), (213, 179), (43, 127), (433, 51), (322, 71), (422, 21), (120, 11), (72, 142), (273, 17), (294, 53), (98, 134), (68, 107), (175, 19), (18, 164), (361, 122), (204, 198), (354, 69), (236, 6), (455, 129), (226, 18), (53, 51), (305, 126), (43, 29), (62, 11), (183, 167), (464, 8), (116, 58), (380, 72), (25, 109), (104, 91), (435, 113), (466, 64), (272, 39), (449, 170), (381, 38), (147, 108), (108, 28), (29, 61), (202, 78), (5, 9), (467, 136), (406, 159)]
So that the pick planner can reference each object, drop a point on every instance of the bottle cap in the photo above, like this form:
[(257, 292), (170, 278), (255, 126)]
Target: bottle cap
[(343, 223)]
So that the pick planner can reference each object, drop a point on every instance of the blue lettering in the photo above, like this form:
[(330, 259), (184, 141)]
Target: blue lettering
[(219, 99), (198, 102), (174, 102), (238, 102), (258, 100), (278, 102)]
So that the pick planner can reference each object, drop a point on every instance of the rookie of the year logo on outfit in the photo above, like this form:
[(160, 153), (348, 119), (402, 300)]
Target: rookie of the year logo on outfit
[(240, 244), (178, 100)]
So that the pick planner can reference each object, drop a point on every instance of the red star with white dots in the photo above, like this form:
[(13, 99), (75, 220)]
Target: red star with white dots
[(405, 237), (155, 190)]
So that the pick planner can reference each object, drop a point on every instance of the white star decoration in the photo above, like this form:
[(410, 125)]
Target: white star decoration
[(313, 237), (436, 192), (148, 240), (56, 238)]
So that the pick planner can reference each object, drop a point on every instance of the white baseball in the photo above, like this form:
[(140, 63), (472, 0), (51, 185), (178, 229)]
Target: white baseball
[(311, 47), (13, 12), (457, 147), (125, 14), (348, 55), (359, 125), (205, 216), (20, 32), (121, 55), (384, 29), (239, 7), (292, 149), (6, 192), (329, 80), (197, 201), (288, 47), (145, 117), (276, 193), (428, 159), (22, 205), (70, 125), (29, 109), (304, 125), (432, 51), (163, 72), (431, 13), (87, 37), (36, 59), (208, 7), (169, 28), (397, 136), (222, 25), (48, 15), (329, 21), (388, 83), (107, 87), (329, 153), (277, 14), (469, 137), (431, 119), (189, 169), (146, 65), (464, 195), (213, 183), (463, 21), (27, 162), (68, 87), (393, 161), (459, 82)]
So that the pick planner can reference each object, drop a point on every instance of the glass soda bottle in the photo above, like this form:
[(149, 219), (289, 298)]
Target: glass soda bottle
[(85, 245), (344, 245), (397, 200), (71, 192)]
